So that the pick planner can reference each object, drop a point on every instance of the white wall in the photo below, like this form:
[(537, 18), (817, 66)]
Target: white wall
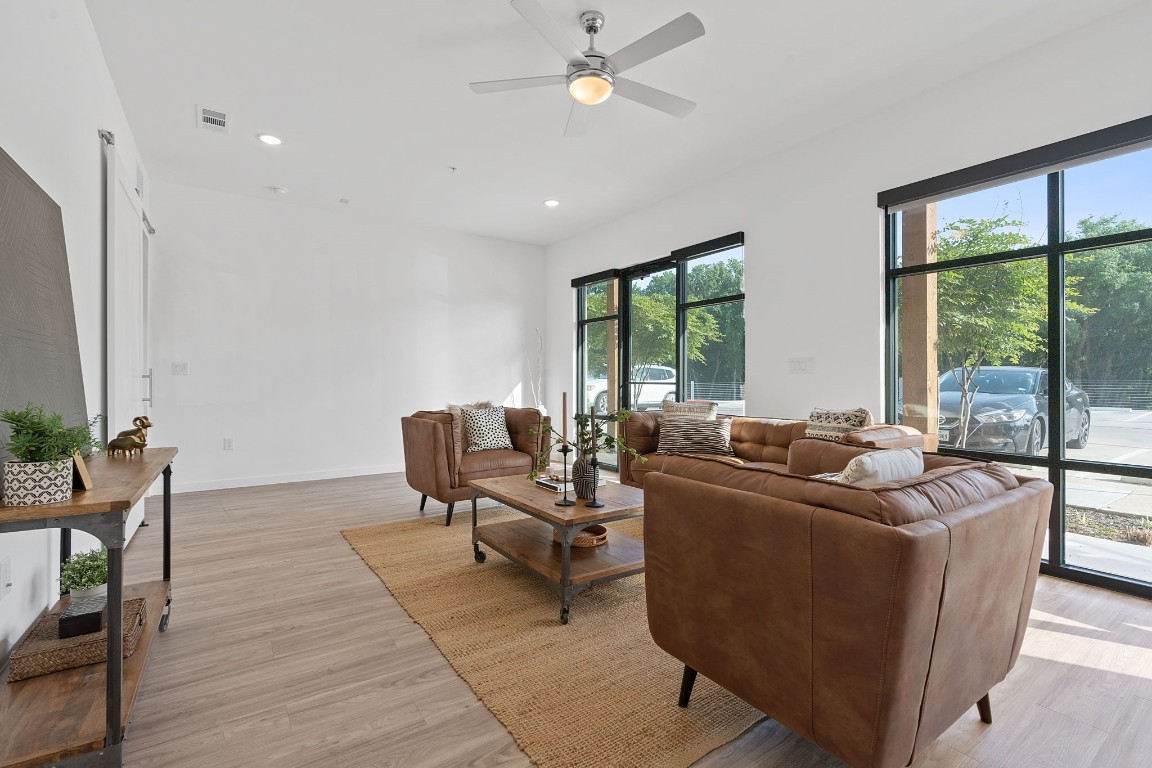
[(814, 236), (309, 333), (55, 94)]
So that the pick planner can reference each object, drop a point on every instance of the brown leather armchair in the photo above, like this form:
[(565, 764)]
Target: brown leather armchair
[(436, 464), (865, 619)]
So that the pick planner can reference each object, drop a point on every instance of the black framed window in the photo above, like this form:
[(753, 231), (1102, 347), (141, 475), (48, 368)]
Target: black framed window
[(1020, 330), (668, 328)]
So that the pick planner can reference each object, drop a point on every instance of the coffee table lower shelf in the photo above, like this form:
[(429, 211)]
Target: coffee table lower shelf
[(529, 542)]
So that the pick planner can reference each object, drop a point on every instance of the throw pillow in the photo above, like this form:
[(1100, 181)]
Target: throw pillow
[(695, 435), (458, 419), (884, 466), (699, 411), (828, 424), (486, 429)]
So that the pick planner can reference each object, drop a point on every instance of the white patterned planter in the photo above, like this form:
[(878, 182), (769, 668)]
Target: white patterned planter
[(37, 482)]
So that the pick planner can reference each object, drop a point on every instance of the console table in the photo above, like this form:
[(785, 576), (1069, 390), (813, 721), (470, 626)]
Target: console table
[(55, 719)]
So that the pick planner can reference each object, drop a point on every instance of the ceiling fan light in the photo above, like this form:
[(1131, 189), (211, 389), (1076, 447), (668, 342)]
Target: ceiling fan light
[(590, 86)]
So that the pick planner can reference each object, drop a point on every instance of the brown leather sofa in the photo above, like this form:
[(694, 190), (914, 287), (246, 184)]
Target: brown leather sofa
[(436, 464), (755, 441), (865, 619)]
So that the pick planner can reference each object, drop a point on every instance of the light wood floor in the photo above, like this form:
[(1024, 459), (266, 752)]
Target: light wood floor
[(285, 650)]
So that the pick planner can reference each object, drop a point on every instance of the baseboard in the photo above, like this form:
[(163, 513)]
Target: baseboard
[(247, 482)]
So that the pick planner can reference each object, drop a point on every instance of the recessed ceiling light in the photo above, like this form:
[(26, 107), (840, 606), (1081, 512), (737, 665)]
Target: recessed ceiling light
[(268, 138), (279, 190), (551, 203), (345, 200)]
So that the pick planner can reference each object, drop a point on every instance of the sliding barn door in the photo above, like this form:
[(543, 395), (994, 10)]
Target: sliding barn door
[(129, 378)]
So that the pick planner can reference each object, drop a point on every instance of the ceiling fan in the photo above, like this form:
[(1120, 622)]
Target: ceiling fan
[(593, 76)]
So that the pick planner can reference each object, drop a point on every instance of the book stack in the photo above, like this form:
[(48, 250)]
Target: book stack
[(559, 486)]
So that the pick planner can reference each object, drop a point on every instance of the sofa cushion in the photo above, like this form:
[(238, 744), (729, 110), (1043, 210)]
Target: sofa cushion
[(486, 429), (813, 456), (653, 464), (884, 466), (756, 439), (699, 410), (828, 424), (496, 463), (944, 487), (694, 435)]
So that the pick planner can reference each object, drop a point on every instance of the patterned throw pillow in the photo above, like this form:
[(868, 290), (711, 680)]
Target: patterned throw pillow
[(698, 411), (486, 429), (458, 419), (827, 424), (883, 466), (694, 435)]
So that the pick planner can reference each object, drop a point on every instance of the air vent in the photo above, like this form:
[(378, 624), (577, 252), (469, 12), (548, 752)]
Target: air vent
[(212, 120)]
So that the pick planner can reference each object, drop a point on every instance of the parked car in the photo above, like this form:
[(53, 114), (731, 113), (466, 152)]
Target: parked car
[(1010, 410), (650, 385)]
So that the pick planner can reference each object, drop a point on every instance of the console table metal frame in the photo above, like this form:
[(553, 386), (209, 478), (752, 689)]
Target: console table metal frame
[(118, 483)]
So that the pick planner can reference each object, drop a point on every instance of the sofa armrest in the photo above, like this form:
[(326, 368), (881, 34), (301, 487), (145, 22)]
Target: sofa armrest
[(886, 436), (641, 433), (813, 456), (429, 460)]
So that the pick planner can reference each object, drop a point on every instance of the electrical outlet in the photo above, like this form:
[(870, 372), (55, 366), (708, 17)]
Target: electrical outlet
[(229, 444), (802, 365), (179, 369), (5, 577)]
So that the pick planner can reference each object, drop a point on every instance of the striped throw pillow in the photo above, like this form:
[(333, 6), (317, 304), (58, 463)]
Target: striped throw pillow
[(696, 436), (827, 424), (702, 411)]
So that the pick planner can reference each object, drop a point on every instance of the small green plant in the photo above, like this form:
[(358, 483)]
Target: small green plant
[(40, 436), (591, 438), (84, 571)]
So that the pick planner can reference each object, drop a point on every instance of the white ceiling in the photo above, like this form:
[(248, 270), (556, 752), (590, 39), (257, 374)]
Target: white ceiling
[(372, 98)]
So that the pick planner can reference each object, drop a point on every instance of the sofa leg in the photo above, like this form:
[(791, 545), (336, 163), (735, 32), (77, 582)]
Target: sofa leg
[(985, 707), (423, 501), (686, 684), (451, 506)]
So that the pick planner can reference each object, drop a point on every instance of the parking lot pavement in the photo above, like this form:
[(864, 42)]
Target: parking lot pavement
[(1119, 435)]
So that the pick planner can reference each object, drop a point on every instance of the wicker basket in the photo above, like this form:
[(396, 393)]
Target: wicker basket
[(592, 536), (42, 651)]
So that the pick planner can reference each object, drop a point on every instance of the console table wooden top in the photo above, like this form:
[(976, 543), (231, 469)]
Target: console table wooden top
[(118, 482)]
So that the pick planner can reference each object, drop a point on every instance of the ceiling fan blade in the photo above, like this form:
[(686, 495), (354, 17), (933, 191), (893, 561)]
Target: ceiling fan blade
[(673, 34), (577, 119), (653, 97), (543, 23), (494, 86)]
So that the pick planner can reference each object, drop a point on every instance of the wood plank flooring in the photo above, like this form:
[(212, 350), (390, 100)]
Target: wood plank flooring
[(285, 650)]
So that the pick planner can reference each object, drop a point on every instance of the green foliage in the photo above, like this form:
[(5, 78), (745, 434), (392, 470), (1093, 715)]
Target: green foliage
[(591, 438), (988, 314), (1113, 342), (715, 339), (84, 571), (39, 436)]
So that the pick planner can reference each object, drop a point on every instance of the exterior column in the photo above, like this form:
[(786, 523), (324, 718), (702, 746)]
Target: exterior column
[(918, 325)]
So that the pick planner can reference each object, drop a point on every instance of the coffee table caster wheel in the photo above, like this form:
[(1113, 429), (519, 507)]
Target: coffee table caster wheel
[(481, 556), (164, 623), (564, 616)]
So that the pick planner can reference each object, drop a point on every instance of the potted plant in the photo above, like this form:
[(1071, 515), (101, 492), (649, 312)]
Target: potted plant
[(592, 438), (42, 447), (85, 574)]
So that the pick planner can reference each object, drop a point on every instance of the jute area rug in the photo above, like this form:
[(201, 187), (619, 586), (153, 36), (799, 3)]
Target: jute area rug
[(596, 693)]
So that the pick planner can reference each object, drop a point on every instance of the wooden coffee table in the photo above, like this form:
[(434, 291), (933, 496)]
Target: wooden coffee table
[(528, 541)]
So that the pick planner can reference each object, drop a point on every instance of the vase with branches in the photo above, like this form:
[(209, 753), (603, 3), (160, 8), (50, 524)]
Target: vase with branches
[(592, 438)]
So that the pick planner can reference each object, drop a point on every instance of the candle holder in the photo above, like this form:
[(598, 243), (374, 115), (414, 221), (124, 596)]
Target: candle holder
[(595, 464), (565, 502)]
